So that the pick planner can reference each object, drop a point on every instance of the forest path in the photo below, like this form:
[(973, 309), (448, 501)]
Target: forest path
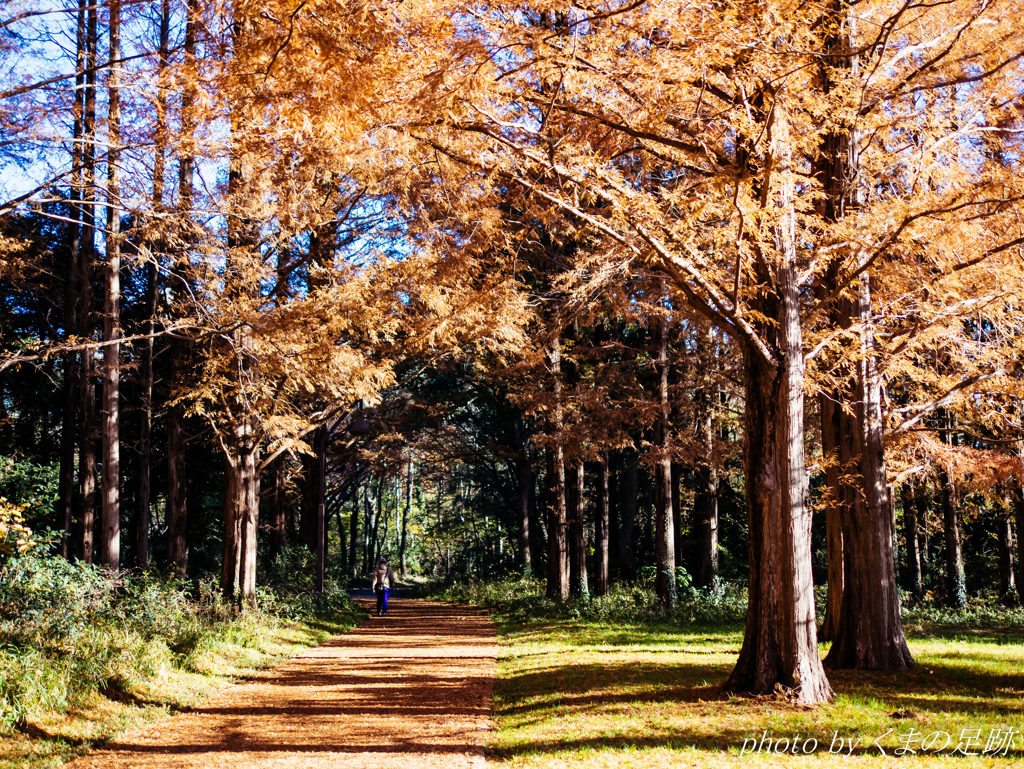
[(412, 689)]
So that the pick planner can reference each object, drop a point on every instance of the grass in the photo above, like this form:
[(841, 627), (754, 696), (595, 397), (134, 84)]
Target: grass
[(51, 738), (579, 693)]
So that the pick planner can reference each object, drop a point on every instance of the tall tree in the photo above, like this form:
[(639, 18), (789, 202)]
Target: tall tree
[(110, 540), (664, 531)]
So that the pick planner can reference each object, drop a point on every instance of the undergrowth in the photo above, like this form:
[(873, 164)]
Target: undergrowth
[(520, 599), (69, 630)]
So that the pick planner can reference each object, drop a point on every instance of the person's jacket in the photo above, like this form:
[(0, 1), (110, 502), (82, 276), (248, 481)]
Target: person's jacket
[(382, 576)]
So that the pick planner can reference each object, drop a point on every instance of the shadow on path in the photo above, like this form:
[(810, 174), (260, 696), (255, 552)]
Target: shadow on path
[(412, 689)]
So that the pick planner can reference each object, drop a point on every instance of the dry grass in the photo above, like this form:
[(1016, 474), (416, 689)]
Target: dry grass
[(585, 695)]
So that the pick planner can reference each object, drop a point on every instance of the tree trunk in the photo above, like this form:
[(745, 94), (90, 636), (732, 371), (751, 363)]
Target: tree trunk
[(241, 513), (87, 385), (576, 542), (538, 544), (405, 518), (110, 542), (780, 646), (73, 309), (664, 531), (143, 491), (705, 502), (278, 529), (627, 518), (375, 541), (307, 516), (558, 554), (1004, 539), (240, 441), (678, 521), (956, 583), (322, 436), (779, 642), (601, 528), (921, 501), (910, 542), (524, 475), (1018, 523), (353, 528), (870, 631), (68, 438), (177, 511), (87, 458), (835, 498)]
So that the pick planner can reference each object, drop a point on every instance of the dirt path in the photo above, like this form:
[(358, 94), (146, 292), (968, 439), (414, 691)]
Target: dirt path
[(412, 689)]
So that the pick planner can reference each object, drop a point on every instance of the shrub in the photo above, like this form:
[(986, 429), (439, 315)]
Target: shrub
[(68, 630), (522, 599)]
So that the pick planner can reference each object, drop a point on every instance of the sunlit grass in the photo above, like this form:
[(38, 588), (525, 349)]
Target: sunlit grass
[(578, 694), (50, 739)]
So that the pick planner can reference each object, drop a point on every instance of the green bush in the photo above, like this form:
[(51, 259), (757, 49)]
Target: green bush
[(522, 599), (68, 630)]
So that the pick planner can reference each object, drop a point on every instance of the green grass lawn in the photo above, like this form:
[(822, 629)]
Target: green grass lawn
[(583, 694)]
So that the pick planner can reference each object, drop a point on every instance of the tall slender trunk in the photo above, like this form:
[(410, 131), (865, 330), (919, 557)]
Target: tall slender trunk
[(1018, 521), (664, 531), (177, 510), (353, 527), (558, 554), (87, 386), (321, 440), (70, 395), (921, 501), (601, 528), (705, 503), (68, 438), (405, 518), (835, 497), (369, 524), (578, 581), (524, 475), (538, 543), (956, 581), (110, 542), (87, 459), (678, 518), (278, 529), (375, 541), (240, 440), (630, 486), (1004, 540), (910, 540), (143, 479)]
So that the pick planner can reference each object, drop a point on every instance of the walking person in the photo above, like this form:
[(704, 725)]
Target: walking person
[(383, 581)]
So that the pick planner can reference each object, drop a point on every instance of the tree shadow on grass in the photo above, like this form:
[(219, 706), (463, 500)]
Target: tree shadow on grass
[(613, 685)]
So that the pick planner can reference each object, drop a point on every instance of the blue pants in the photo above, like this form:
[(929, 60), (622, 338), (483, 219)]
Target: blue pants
[(382, 601)]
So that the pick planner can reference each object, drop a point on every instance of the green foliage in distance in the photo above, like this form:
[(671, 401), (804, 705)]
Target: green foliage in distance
[(522, 600)]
